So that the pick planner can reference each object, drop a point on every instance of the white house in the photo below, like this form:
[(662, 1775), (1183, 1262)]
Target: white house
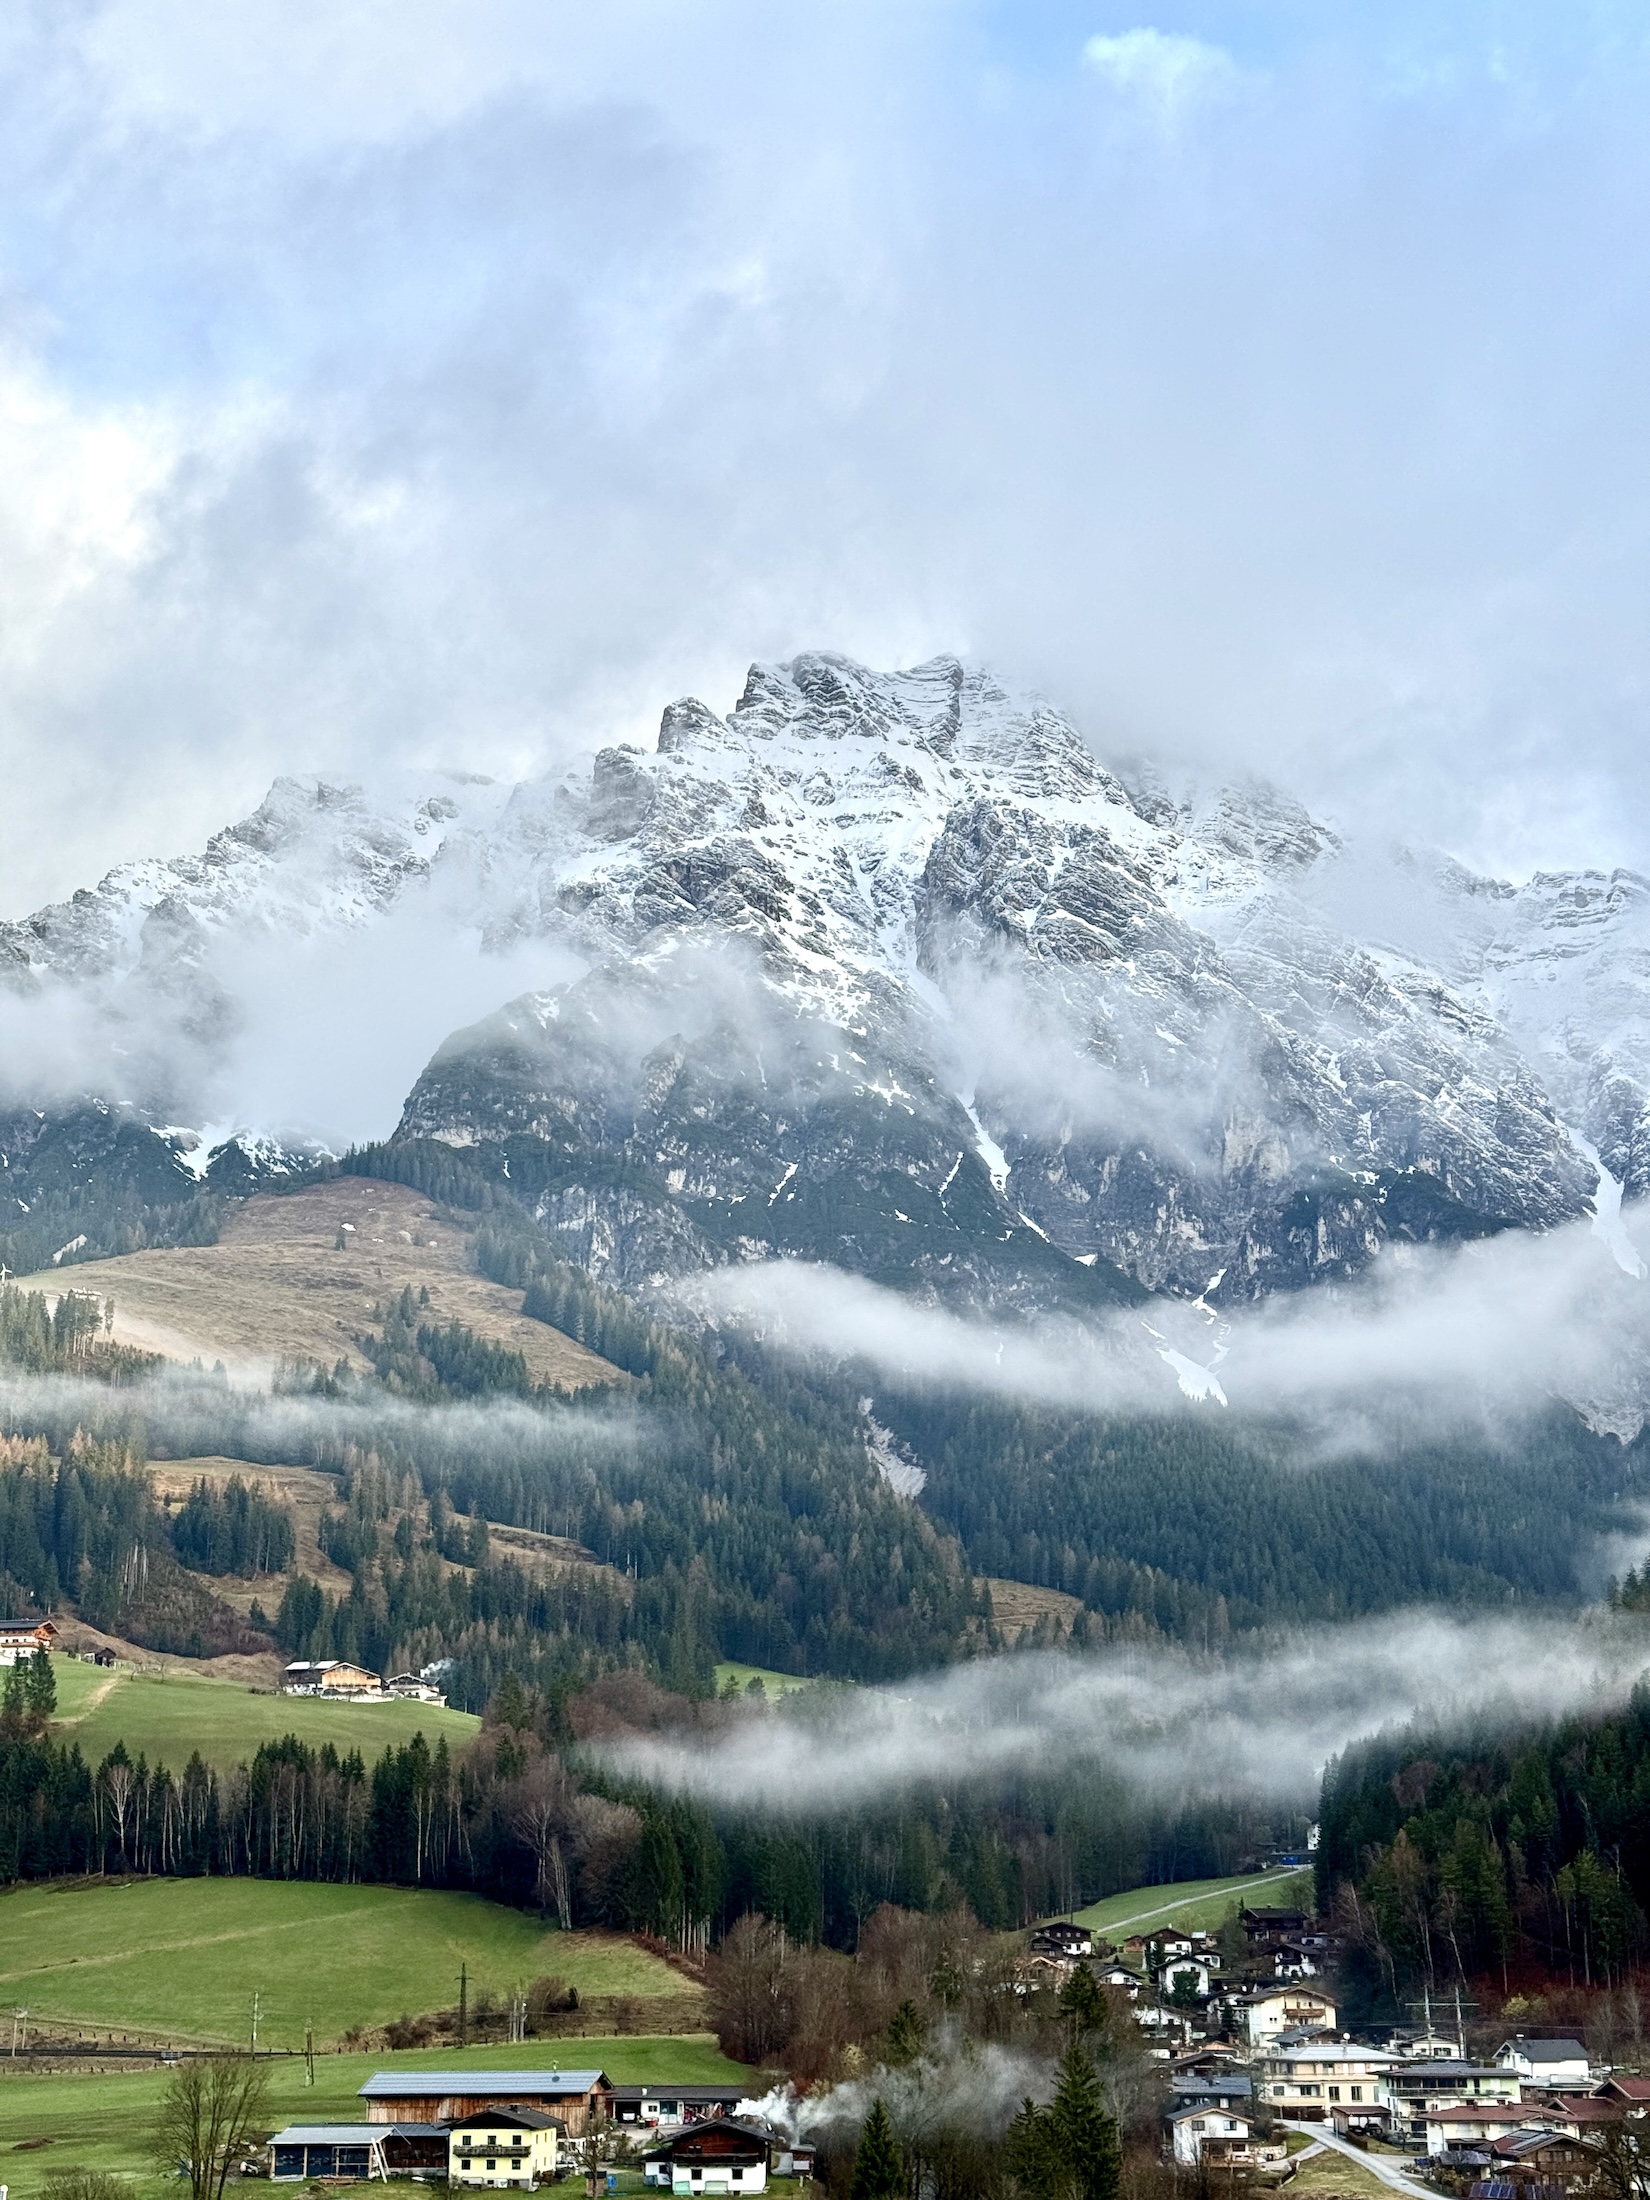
[(1276, 2009), (719, 2155), (1546, 2062), (1475, 2123), (1189, 1967), (1198, 2133)]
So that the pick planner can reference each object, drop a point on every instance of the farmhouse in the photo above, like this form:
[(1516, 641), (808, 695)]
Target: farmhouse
[(719, 2155), (503, 2146), (330, 1677), (21, 1638), (1474, 2124), (303, 2151), (579, 2098)]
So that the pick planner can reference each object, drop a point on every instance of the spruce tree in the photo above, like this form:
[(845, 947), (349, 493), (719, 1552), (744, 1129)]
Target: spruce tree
[(906, 2034), (42, 1690), (1084, 2133), (1083, 2001), (879, 2172)]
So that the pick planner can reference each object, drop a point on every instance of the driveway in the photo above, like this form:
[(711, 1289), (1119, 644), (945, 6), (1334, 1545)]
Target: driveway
[(1378, 2165)]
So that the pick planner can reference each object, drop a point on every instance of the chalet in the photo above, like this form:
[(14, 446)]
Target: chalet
[(1271, 2010), (1582, 2115), (1546, 2062), (21, 1638), (303, 2151), (1267, 1928), (1551, 2159), (413, 1688), (1219, 2137), (1474, 2124), (503, 2146), (1120, 1975), (579, 2098), (659, 2104), (718, 2155), (1420, 2043), (330, 1677), (1060, 1939)]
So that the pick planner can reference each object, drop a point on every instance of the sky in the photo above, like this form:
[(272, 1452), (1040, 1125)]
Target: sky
[(454, 382)]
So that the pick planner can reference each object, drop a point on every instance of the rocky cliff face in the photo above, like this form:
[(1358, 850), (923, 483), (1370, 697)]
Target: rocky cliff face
[(890, 970)]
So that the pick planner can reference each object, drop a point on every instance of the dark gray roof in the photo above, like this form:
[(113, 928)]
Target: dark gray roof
[(432, 2085), (331, 2135), (509, 2112), (1539, 2051)]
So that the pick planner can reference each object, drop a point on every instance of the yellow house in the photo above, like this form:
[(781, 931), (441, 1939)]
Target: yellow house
[(503, 2146)]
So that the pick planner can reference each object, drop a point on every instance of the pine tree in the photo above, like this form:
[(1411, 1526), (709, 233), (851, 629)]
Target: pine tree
[(879, 2172), (42, 1690), (1084, 2133), (1083, 2001), (906, 2034)]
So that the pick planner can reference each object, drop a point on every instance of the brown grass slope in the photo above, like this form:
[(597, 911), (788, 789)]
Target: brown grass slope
[(278, 1286)]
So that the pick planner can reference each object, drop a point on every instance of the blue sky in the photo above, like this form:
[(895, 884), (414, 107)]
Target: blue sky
[(407, 382)]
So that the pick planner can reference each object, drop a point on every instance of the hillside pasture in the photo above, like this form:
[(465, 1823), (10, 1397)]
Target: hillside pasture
[(181, 1959), (165, 1714), (101, 2120), (1197, 1905), (279, 1285)]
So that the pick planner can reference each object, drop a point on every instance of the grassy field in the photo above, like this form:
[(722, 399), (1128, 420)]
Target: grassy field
[(773, 1684), (102, 2121), (279, 1282), (183, 1957), (1195, 1904), (166, 1715)]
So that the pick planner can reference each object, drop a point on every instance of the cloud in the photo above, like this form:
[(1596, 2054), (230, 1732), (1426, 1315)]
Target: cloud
[(1259, 1722), (1478, 1330), (457, 384), (1161, 70)]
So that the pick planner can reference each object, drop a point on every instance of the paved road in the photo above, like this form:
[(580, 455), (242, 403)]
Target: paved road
[(1167, 1909), (1382, 2166)]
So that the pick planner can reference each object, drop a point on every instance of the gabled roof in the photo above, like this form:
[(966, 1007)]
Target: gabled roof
[(1205, 2108), (694, 2134), (1543, 2051), (434, 2085)]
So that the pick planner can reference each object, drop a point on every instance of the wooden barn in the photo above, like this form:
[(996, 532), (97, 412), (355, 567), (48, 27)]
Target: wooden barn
[(580, 2099)]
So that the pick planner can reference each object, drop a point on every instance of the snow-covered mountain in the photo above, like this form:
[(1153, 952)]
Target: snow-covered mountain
[(889, 969)]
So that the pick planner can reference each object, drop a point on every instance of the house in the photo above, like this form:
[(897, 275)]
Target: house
[(1126, 1981), (412, 1688), (1291, 1960), (1311, 2078), (1469, 2124), (303, 2151), (659, 2104), (1628, 2096), (1230, 2089), (21, 1638), (1579, 2114), (1546, 2062), (503, 2146), (1275, 2009), (1266, 1928), (1415, 2087), (719, 2155), (1060, 1939), (1222, 2137), (330, 1677), (1422, 2044), (578, 2097), (1552, 2159)]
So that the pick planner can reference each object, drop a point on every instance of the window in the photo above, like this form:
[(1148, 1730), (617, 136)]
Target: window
[(1334, 2092), (1357, 2092)]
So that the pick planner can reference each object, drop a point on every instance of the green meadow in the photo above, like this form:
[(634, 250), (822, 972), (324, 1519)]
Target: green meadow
[(165, 1716), (182, 1958), (1196, 1904), (102, 2121)]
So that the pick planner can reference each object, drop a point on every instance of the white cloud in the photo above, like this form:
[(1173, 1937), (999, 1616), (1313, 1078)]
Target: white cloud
[(1160, 69)]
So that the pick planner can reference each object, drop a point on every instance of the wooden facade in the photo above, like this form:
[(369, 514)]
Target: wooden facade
[(580, 2099)]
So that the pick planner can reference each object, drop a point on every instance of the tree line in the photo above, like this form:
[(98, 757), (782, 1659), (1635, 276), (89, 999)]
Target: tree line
[(1515, 1856)]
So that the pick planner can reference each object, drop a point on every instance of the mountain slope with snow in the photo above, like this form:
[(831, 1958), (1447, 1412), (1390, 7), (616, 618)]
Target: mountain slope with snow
[(886, 969)]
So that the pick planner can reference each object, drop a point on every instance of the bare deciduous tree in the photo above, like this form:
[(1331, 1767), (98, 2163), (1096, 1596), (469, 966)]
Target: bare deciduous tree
[(213, 2109)]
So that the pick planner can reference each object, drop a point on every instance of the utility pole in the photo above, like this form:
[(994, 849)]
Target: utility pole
[(254, 2020), (464, 2005), (309, 2052)]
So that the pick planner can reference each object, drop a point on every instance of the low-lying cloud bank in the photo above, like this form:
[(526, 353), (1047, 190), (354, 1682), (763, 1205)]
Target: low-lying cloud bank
[(1500, 1325), (1257, 1722)]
